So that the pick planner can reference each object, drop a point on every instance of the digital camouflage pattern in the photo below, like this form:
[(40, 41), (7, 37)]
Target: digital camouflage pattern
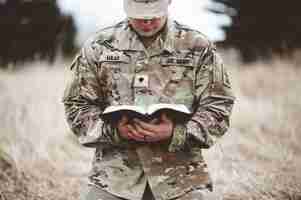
[(181, 66)]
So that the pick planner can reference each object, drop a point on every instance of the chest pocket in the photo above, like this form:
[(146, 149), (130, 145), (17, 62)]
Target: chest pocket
[(181, 69), (115, 63), (116, 68)]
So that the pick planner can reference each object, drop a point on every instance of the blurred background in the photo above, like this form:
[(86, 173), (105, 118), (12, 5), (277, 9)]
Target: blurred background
[(260, 156)]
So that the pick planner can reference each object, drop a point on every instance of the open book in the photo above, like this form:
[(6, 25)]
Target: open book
[(175, 111)]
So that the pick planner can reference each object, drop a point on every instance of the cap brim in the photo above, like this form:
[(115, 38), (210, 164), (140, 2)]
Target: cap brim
[(149, 10)]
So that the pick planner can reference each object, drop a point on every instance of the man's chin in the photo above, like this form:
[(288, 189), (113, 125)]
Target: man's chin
[(147, 33)]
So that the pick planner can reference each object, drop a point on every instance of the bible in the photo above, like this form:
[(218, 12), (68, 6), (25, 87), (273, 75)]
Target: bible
[(177, 112)]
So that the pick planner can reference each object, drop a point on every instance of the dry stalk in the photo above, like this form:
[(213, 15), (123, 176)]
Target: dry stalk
[(2, 197)]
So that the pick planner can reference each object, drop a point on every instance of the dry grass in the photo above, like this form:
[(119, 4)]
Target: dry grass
[(259, 158), (34, 133)]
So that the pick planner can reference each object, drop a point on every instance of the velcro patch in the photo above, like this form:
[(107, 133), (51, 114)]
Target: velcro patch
[(167, 61), (226, 79), (117, 56)]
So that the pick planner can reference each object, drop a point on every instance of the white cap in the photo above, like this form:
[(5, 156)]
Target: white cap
[(145, 9)]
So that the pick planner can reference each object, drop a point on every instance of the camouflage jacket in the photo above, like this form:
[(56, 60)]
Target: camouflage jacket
[(181, 66)]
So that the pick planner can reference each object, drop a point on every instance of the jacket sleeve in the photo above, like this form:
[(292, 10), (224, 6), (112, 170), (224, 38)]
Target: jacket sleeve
[(85, 98), (213, 104)]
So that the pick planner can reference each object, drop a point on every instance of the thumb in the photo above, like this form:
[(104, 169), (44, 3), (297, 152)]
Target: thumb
[(124, 120), (164, 118)]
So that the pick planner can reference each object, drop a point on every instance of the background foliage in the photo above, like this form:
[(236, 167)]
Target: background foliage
[(33, 30), (261, 29)]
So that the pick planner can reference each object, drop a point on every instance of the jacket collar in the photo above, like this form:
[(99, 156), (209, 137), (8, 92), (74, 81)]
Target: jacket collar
[(127, 39)]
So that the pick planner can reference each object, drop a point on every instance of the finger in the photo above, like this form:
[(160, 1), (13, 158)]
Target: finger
[(155, 121), (144, 132), (124, 130), (135, 138), (125, 134), (146, 126), (135, 134), (131, 136)]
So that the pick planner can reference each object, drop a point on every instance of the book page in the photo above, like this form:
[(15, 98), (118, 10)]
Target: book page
[(175, 107), (112, 109)]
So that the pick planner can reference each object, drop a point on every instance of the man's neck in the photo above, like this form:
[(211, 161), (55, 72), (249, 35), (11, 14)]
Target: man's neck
[(147, 41)]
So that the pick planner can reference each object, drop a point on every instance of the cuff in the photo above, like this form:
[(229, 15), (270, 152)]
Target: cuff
[(178, 139), (198, 137), (101, 134), (91, 137), (113, 134)]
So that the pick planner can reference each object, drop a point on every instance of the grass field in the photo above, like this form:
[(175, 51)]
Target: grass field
[(259, 158)]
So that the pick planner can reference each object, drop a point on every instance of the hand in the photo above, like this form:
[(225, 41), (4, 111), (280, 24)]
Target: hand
[(154, 131), (126, 130)]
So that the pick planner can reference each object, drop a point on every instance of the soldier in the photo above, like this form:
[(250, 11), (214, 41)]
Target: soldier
[(159, 159)]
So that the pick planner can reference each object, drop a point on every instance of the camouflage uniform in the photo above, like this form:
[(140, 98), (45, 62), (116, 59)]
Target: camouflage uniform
[(181, 66)]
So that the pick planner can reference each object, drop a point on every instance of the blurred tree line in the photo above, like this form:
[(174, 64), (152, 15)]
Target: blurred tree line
[(34, 29), (261, 29)]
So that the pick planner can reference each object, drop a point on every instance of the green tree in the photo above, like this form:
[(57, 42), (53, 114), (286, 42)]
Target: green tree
[(260, 29), (34, 30)]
